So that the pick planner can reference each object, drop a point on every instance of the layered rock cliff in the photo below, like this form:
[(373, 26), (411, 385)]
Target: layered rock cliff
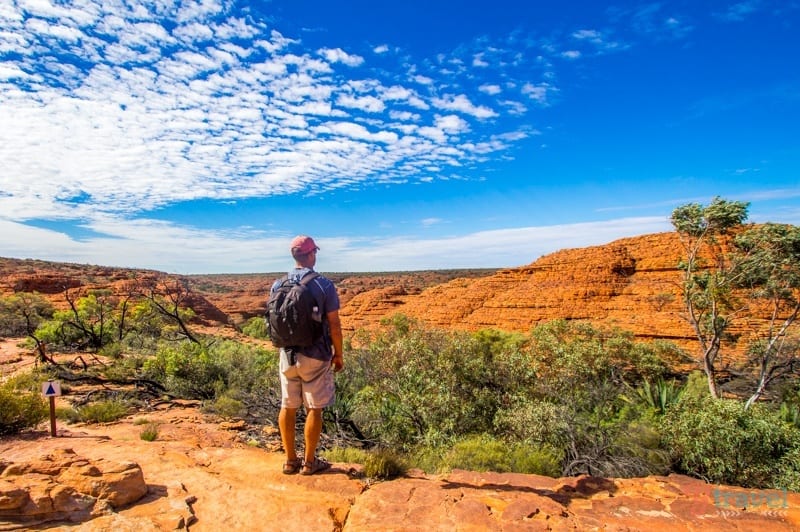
[(631, 283)]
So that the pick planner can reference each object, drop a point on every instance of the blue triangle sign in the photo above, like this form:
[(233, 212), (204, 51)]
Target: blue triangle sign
[(50, 390)]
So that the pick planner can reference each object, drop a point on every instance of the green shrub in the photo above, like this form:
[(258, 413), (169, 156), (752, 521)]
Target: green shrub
[(112, 350), (20, 410), (347, 455), (788, 471), (479, 453), (383, 464), (380, 463), (103, 411), (256, 327), (68, 414), (536, 460), (195, 371), (658, 396), (486, 453), (720, 441), (149, 432), (226, 407)]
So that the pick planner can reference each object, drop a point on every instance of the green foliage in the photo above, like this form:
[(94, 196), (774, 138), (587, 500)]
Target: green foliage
[(150, 432), (21, 313), (787, 475), (20, 408), (347, 455), (192, 370), (577, 404), (226, 407), (716, 218), (486, 453), (103, 411), (425, 386), (383, 464), (722, 442), (256, 327), (379, 463), (659, 395), (68, 414), (555, 393), (89, 323)]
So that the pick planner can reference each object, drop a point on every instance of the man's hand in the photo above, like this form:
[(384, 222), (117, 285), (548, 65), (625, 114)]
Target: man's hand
[(338, 363)]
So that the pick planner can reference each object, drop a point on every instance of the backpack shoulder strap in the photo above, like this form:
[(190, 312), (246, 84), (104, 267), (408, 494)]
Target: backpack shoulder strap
[(307, 278)]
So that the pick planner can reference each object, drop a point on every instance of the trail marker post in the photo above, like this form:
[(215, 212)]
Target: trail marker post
[(52, 389)]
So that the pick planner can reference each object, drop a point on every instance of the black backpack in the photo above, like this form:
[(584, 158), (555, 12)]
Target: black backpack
[(290, 313)]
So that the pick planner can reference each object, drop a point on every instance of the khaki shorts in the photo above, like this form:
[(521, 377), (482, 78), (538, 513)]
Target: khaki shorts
[(308, 383)]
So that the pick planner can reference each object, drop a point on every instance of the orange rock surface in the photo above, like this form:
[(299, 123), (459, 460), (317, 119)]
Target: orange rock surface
[(631, 283)]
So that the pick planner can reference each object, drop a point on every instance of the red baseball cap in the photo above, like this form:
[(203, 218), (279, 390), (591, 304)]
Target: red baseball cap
[(303, 244)]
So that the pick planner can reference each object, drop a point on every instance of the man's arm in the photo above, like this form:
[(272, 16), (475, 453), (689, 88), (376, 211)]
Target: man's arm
[(336, 339)]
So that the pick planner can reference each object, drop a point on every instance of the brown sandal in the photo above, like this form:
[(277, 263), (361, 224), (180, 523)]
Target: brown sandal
[(292, 467), (319, 464)]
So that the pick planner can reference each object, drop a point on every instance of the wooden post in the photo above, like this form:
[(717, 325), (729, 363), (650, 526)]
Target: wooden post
[(53, 416)]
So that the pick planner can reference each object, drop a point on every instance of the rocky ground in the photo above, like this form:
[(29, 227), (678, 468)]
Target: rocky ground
[(201, 474)]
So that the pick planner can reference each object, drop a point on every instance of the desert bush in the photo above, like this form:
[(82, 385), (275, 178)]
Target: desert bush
[(379, 463), (718, 440), (21, 313), (197, 371), (256, 327), (104, 411), (384, 464), (560, 389), (68, 414), (577, 405), (226, 406), (347, 455), (149, 432), (657, 396), (427, 387), (20, 408), (487, 453), (787, 475)]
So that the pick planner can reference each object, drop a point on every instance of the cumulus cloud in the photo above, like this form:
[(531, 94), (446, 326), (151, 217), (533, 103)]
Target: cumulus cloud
[(462, 103), (112, 110)]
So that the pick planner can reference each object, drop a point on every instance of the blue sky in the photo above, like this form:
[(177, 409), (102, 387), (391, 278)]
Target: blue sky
[(200, 137)]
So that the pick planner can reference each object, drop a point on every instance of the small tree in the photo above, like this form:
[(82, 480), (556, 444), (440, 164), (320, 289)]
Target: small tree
[(171, 298), (21, 314), (91, 319), (767, 262), (708, 276)]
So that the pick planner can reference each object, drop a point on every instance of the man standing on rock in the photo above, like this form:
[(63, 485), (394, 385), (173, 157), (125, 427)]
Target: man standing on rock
[(306, 373)]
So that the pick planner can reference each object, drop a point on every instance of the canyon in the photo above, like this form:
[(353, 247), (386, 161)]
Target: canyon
[(201, 474)]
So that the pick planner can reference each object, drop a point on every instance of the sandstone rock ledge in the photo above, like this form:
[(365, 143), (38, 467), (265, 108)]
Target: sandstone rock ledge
[(62, 486), (198, 477), (465, 500)]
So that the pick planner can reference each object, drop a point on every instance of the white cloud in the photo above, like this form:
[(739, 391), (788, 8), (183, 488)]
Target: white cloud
[(462, 104), (369, 104), (451, 124), (337, 55), (490, 88), (381, 49), (405, 116), (539, 93), (172, 248), (479, 61)]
